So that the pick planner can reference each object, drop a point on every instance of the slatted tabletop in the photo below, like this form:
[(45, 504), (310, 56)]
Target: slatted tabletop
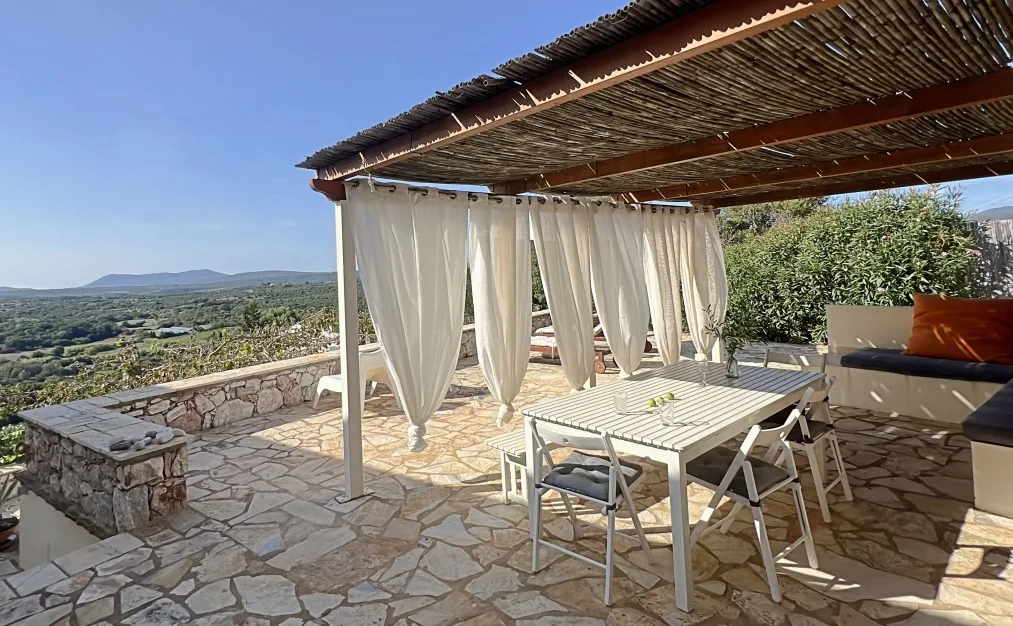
[(704, 416)]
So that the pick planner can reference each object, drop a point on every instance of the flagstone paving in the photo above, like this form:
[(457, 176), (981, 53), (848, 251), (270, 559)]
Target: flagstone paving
[(265, 541)]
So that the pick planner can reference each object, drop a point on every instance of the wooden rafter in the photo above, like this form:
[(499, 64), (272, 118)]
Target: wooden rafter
[(709, 28), (978, 90), (954, 151), (334, 190), (966, 172)]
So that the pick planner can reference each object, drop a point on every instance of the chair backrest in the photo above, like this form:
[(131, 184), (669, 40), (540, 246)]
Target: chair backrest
[(566, 437), (371, 359), (776, 439)]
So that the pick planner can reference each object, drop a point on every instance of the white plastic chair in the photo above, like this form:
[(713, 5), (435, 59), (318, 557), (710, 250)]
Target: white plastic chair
[(811, 436), (598, 479), (372, 367), (747, 480)]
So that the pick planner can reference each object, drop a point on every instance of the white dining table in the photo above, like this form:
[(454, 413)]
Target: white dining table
[(705, 416)]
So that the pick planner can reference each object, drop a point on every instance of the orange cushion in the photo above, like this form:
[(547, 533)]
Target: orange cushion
[(962, 329)]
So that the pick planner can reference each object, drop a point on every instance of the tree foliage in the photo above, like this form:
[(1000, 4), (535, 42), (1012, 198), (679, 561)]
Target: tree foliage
[(875, 250)]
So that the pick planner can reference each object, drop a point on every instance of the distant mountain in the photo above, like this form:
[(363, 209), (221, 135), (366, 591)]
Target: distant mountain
[(998, 213), (161, 279)]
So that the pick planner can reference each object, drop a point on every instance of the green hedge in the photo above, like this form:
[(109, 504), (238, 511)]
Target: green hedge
[(876, 250)]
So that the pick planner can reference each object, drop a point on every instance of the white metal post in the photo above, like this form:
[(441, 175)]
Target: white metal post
[(348, 329)]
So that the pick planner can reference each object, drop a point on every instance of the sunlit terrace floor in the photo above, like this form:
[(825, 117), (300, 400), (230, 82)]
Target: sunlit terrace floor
[(265, 541)]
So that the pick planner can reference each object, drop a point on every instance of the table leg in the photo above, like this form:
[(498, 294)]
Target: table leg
[(529, 477), (679, 502)]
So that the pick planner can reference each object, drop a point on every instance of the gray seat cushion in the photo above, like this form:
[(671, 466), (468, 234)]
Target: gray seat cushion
[(588, 475), (893, 361), (712, 466), (992, 422), (816, 429)]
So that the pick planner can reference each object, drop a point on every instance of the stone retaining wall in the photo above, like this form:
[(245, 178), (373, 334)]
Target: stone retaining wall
[(68, 464), (204, 402), (196, 404)]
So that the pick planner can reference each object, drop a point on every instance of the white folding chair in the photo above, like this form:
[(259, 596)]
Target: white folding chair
[(372, 367), (603, 480), (747, 480), (811, 436)]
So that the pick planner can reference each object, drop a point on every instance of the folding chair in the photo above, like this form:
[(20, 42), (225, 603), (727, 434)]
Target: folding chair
[(603, 480), (810, 436), (747, 480)]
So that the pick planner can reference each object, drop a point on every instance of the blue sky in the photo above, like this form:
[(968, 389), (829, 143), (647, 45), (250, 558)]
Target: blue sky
[(144, 137)]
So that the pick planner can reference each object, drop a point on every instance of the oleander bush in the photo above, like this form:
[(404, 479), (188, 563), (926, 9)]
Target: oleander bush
[(873, 250)]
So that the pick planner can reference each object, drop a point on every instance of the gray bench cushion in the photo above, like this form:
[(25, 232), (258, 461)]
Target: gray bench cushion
[(711, 467), (588, 475), (992, 422), (893, 361)]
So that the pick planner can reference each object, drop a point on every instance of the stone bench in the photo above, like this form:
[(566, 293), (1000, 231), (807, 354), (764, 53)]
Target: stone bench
[(69, 465)]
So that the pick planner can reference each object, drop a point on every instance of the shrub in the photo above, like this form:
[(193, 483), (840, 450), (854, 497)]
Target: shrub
[(876, 250)]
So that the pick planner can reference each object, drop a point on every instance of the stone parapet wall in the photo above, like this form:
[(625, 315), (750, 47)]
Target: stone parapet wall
[(197, 404), (68, 464), (539, 319)]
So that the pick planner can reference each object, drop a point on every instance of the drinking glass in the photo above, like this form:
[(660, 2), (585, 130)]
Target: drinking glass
[(620, 399), (667, 413), (702, 367)]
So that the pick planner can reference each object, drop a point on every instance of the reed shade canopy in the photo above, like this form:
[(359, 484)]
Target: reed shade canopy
[(720, 102)]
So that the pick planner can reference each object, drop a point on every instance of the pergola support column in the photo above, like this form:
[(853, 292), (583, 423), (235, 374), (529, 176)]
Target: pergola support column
[(348, 330)]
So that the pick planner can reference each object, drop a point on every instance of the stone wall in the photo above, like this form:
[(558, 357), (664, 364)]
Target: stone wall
[(68, 464), (204, 402), (539, 319)]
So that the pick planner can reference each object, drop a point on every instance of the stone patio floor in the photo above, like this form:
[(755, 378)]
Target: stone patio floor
[(265, 542)]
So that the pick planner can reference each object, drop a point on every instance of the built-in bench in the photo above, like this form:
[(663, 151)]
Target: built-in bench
[(865, 345), (990, 430)]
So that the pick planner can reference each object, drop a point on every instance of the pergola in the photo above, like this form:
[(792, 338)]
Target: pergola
[(716, 102)]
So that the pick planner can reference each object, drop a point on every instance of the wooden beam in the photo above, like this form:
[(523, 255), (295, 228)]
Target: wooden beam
[(333, 189), (973, 91), (954, 151), (714, 26), (933, 177)]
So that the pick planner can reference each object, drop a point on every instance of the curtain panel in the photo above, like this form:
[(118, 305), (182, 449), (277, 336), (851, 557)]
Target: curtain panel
[(562, 241), (704, 284), (412, 256), (662, 242), (618, 282), (501, 289)]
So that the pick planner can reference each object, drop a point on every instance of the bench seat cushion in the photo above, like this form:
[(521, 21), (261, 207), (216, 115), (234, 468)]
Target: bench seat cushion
[(894, 361), (992, 422)]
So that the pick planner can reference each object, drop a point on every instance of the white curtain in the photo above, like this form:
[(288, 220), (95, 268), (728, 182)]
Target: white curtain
[(618, 282), (704, 284), (562, 242), (662, 236), (412, 249), (501, 289)]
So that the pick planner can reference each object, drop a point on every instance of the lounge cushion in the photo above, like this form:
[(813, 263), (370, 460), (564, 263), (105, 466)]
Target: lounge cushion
[(992, 422), (710, 467), (896, 362), (588, 475), (962, 329)]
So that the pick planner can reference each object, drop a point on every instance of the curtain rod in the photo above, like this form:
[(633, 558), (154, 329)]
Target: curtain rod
[(475, 196), (654, 208)]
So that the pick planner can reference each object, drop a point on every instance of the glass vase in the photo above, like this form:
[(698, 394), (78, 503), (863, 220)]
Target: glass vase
[(731, 366)]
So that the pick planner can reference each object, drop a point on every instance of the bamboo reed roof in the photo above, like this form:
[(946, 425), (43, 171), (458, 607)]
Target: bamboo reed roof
[(837, 57)]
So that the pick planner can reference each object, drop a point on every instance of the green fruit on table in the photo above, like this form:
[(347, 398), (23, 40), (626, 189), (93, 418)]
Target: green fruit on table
[(661, 399), (670, 396), (652, 403)]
